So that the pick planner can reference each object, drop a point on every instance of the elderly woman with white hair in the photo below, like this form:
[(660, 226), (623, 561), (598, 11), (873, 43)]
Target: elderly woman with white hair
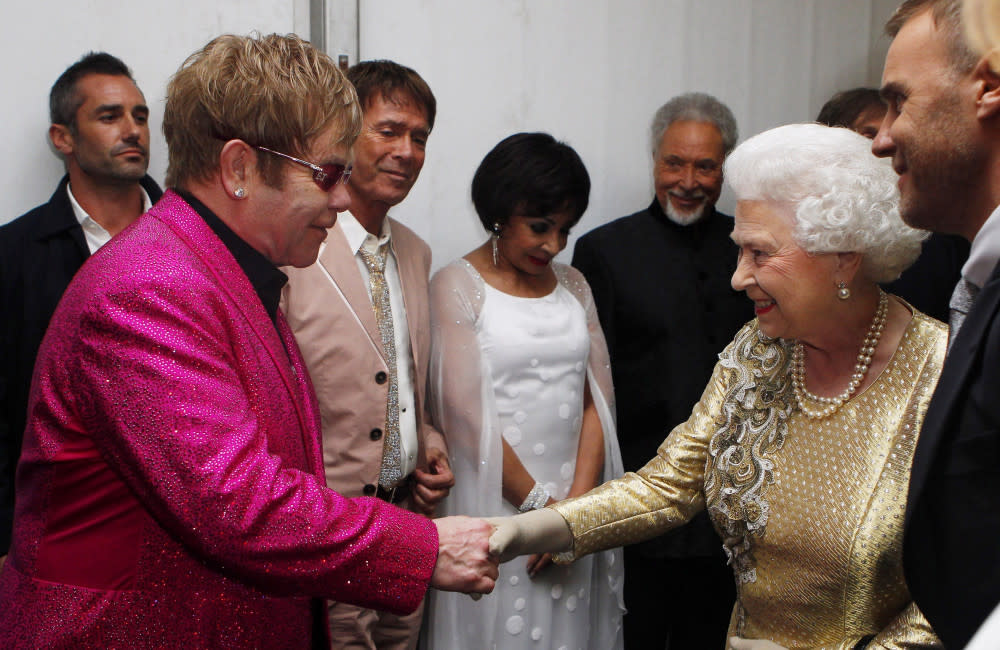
[(800, 447)]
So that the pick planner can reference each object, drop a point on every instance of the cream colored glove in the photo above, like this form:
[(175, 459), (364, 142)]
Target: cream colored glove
[(537, 531)]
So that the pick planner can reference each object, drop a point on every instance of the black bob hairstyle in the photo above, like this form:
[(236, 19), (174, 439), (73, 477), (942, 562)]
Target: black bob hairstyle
[(530, 175)]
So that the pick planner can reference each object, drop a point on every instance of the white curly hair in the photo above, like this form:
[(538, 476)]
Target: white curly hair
[(844, 198)]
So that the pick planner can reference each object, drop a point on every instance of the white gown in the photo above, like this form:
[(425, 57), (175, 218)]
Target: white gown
[(532, 357)]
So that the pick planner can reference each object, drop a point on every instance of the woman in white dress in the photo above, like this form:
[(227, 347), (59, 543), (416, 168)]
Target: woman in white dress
[(521, 386)]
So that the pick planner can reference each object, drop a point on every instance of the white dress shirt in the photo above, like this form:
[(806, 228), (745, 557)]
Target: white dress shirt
[(985, 251), (988, 635), (93, 232), (358, 238)]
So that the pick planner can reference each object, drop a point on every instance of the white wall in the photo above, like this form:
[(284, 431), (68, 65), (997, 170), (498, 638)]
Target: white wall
[(43, 37), (589, 71), (592, 72), (881, 12)]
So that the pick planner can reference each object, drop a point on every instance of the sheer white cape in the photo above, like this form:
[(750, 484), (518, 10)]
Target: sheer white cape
[(462, 404)]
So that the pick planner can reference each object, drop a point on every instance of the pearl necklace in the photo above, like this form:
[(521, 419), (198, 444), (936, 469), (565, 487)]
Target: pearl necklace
[(831, 404)]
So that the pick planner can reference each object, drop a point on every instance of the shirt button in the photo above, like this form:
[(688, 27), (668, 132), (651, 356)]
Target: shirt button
[(380, 377), (368, 490), (375, 434)]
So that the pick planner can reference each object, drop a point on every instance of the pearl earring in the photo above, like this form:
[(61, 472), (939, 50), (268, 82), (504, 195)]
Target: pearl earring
[(842, 291)]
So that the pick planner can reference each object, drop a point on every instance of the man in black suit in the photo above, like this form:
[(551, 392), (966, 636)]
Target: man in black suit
[(943, 134), (99, 126), (661, 282)]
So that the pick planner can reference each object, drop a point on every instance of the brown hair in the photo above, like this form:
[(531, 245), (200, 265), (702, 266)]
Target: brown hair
[(273, 91), (392, 82), (947, 15), (848, 105)]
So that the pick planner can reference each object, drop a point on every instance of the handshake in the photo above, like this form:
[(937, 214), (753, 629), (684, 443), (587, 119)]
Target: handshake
[(470, 550)]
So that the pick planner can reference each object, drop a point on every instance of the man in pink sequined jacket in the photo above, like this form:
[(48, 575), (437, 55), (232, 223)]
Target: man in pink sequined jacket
[(171, 489)]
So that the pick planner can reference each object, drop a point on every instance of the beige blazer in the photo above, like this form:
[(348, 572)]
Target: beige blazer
[(334, 324)]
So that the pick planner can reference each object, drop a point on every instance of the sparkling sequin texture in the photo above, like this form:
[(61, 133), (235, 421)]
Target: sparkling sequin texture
[(170, 492), (751, 429), (391, 470), (819, 562)]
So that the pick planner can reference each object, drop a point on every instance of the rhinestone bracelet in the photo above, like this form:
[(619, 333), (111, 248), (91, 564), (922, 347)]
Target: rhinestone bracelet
[(536, 499)]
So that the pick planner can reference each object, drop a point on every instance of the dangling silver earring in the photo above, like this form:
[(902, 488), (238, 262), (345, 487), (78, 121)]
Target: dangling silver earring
[(842, 291), (494, 238)]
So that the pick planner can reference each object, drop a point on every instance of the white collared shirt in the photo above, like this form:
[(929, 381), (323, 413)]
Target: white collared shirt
[(988, 635), (985, 251), (93, 232), (358, 237)]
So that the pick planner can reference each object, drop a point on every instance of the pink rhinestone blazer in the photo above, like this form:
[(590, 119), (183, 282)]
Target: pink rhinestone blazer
[(170, 491)]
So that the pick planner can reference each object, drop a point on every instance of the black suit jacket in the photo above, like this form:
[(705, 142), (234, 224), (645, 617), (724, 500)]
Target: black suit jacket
[(40, 252), (951, 548), (667, 308)]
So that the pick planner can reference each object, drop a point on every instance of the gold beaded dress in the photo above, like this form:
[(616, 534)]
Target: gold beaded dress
[(810, 511)]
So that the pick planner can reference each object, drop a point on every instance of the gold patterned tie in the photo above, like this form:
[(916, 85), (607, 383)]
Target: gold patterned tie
[(391, 471)]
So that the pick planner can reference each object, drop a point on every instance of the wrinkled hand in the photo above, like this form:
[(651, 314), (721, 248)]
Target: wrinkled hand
[(464, 562), (431, 486), (736, 643)]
